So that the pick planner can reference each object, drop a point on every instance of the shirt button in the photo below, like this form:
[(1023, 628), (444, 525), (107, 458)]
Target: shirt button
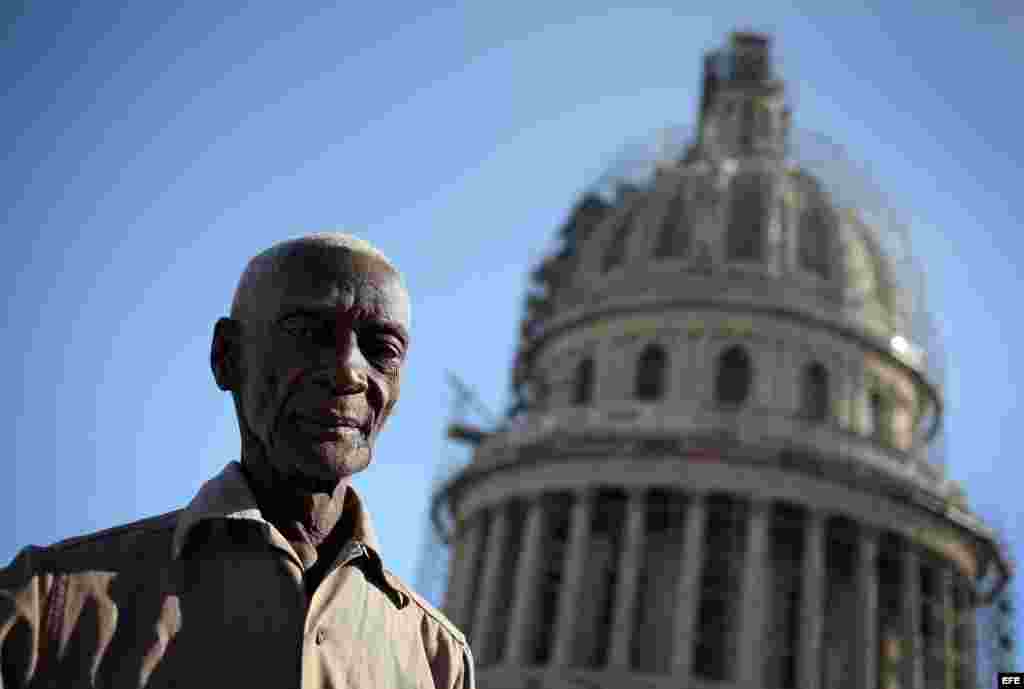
[(320, 636)]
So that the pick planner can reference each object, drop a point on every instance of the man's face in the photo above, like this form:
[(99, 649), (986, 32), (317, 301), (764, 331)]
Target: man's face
[(322, 358)]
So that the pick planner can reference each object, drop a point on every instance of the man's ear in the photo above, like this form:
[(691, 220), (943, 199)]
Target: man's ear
[(225, 353)]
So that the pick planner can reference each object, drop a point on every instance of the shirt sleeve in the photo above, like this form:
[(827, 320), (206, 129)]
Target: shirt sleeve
[(451, 661), (23, 597)]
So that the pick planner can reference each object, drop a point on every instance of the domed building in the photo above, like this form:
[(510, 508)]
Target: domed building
[(720, 470)]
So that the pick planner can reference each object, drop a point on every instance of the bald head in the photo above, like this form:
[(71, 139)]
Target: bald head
[(273, 266), (318, 335)]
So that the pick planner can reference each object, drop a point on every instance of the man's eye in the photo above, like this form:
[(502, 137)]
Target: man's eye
[(389, 352), (384, 350), (304, 332)]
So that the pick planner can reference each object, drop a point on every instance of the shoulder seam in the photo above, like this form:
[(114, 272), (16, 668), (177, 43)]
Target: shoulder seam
[(435, 615), (160, 522)]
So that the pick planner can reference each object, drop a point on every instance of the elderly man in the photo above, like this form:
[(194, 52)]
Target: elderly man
[(272, 576)]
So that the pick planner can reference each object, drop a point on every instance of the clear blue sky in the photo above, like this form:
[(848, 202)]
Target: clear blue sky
[(148, 153)]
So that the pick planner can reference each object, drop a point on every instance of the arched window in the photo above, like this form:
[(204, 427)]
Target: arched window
[(583, 385), (674, 236), (615, 253), (732, 377), (748, 215), (814, 243), (814, 388), (650, 373)]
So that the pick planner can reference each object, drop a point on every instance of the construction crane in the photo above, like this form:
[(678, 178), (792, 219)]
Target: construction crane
[(464, 406)]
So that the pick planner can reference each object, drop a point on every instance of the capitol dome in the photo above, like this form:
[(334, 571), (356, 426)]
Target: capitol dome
[(723, 462), (746, 213), (755, 220)]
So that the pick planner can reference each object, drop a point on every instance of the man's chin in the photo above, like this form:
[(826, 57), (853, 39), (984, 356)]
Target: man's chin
[(322, 463), (323, 468)]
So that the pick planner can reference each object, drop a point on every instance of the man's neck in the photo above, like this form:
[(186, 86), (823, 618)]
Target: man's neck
[(311, 522)]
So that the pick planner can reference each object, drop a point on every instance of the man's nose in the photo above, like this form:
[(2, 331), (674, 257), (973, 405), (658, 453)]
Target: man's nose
[(346, 373)]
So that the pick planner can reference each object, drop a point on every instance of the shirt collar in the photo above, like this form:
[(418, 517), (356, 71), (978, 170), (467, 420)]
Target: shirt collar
[(228, 496)]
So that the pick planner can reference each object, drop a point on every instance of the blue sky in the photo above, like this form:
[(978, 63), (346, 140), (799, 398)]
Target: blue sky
[(148, 152)]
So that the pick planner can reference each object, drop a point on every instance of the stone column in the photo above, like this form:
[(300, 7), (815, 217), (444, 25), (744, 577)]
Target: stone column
[(603, 369), (912, 667), (460, 596), (780, 377), (867, 610), (971, 636), (487, 607), (812, 601), (846, 391), (791, 376), (764, 385), (753, 605), (688, 594), (524, 605), (679, 369), (861, 401), (570, 599), (948, 626), (617, 377), (775, 250), (702, 366), (630, 563)]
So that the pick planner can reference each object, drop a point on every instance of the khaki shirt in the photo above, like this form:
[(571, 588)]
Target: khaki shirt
[(213, 596)]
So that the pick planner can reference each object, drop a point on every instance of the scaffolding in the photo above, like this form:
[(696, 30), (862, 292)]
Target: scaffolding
[(997, 628)]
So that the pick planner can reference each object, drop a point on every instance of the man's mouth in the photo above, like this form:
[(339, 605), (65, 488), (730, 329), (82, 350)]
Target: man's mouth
[(328, 426)]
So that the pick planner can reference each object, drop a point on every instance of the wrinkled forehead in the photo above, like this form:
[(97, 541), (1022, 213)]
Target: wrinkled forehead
[(318, 277)]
